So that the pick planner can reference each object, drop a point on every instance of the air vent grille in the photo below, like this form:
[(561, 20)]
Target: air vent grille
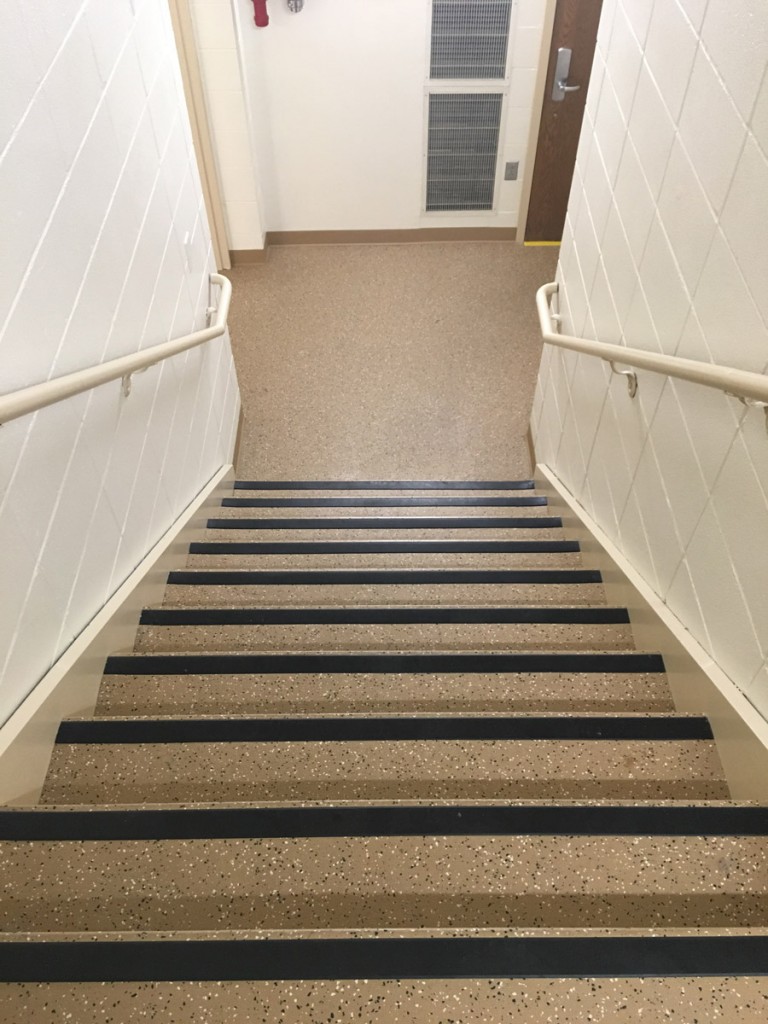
[(469, 38), (463, 142)]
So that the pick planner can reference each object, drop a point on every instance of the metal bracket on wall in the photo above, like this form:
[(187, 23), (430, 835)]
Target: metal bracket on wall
[(629, 374), (125, 382), (752, 403)]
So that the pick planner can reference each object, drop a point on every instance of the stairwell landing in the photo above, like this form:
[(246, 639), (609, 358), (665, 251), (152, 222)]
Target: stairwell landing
[(384, 753)]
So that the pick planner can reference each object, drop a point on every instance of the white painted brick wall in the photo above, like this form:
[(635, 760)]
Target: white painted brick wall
[(666, 248), (98, 192)]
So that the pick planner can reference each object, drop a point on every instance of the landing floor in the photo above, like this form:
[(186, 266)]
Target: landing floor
[(388, 361)]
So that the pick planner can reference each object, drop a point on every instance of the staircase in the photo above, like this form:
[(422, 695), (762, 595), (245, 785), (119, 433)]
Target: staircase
[(384, 754)]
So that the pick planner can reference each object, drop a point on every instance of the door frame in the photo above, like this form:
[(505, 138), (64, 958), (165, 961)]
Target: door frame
[(192, 80), (539, 93)]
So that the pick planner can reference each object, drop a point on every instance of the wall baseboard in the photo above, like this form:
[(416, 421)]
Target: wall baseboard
[(71, 685), (240, 257), (698, 685)]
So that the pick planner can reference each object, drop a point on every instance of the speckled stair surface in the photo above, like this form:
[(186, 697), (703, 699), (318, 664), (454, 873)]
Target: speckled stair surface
[(287, 693), (387, 731), (381, 629), (621, 757)]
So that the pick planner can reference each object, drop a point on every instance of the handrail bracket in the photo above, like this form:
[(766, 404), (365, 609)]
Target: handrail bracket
[(630, 375)]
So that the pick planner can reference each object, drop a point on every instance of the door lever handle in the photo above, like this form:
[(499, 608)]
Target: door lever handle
[(561, 88)]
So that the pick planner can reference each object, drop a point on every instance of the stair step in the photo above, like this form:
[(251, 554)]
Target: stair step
[(210, 556), (247, 821), (328, 728), (343, 693), (228, 546), (414, 881), (221, 550), (391, 501), (384, 485), (548, 998), (382, 629), (408, 527), (382, 664), (382, 769), (540, 514), (380, 586), (735, 965)]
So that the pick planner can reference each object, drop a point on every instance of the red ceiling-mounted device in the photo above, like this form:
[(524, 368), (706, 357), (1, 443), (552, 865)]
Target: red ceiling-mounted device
[(260, 15)]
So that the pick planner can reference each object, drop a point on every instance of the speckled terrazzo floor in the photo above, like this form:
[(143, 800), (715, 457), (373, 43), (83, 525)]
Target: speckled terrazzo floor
[(344, 694), (528, 1001), (388, 638), (376, 770), (319, 595), (433, 349), (393, 882), (362, 887)]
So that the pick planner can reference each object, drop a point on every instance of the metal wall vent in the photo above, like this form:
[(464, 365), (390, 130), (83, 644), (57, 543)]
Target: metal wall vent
[(462, 147), (469, 38)]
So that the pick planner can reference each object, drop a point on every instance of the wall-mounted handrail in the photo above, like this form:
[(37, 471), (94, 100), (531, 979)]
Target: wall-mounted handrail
[(38, 396), (750, 387)]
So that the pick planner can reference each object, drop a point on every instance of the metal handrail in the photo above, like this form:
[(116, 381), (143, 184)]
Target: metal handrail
[(38, 396), (750, 388)]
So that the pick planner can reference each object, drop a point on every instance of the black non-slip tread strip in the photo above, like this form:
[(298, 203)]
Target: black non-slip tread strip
[(393, 523), (401, 502), (101, 823), (383, 547), (381, 730), (384, 485), (580, 615), (360, 577), (621, 956), (380, 664)]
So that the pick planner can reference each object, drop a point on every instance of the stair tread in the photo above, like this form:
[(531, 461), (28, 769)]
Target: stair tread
[(384, 770), (347, 693), (412, 881), (522, 484), (393, 516), (383, 637), (527, 1001)]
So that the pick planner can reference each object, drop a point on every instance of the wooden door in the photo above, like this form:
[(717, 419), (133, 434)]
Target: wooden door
[(575, 27)]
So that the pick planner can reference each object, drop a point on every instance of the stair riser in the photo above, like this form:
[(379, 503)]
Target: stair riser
[(332, 595), (376, 637), (342, 694), (438, 769), (394, 882)]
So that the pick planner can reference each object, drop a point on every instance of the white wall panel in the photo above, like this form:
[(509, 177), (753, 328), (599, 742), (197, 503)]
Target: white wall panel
[(97, 195), (677, 478)]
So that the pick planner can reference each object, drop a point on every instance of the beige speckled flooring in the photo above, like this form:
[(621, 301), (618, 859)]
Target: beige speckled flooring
[(338, 693), (691, 1000), (456, 636), (320, 595), (383, 887), (388, 361), (394, 882), (380, 770)]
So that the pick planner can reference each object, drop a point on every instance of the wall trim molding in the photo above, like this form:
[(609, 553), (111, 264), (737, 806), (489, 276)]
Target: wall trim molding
[(698, 684), (71, 685), (395, 236)]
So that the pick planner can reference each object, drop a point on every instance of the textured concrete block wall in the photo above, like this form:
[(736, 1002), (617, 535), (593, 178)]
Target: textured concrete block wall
[(666, 249), (105, 251)]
